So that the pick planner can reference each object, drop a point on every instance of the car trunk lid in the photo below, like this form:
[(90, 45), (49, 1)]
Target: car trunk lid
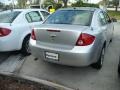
[(63, 35)]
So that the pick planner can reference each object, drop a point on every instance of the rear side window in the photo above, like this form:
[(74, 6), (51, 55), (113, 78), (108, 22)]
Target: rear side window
[(73, 17), (33, 16), (8, 17), (45, 14), (102, 19), (106, 16), (29, 19)]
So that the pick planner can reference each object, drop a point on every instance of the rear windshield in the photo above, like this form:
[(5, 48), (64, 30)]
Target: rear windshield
[(8, 17), (73, 17)]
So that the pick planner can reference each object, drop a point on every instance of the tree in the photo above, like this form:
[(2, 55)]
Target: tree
[(65, 2), (1, 5), (116, 3), (104, 3), (53, 4), (22, 3), (78, 3), (49, 2), (36, 1)]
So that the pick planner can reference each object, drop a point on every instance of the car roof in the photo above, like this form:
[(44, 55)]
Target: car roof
[(81, 8), (25, 10), (28, 9)]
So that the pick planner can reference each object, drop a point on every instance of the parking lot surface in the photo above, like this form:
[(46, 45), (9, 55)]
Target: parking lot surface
[(82, 78)]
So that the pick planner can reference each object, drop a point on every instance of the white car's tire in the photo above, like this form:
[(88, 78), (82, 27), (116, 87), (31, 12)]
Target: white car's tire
[(25, 46)]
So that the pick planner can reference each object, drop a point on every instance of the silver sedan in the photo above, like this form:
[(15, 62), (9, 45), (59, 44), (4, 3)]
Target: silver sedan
[(74, 37)]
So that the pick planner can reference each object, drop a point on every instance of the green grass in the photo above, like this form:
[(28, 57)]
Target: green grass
[(114, 14)]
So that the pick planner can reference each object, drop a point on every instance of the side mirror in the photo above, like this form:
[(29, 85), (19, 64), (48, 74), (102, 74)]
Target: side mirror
[(113, 19)]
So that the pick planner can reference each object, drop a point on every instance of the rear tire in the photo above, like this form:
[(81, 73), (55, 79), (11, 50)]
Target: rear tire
[(98, 65), (25, 46)]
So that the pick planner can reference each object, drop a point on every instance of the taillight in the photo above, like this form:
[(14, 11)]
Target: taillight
[(4, 32), (33, 36), (85, 39)]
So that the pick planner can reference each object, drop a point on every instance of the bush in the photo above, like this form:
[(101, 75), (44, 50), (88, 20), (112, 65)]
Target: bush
[(81, 4), (90, 5), (78, 4), (57, 6)]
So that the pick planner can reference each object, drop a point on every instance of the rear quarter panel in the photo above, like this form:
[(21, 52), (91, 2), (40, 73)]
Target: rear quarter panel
[(21, 29), (98, 33)]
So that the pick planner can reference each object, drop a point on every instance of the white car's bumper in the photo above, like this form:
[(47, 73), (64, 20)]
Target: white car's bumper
[(7, 44)]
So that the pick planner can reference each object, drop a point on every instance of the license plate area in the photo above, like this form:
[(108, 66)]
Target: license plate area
[(52, 56)]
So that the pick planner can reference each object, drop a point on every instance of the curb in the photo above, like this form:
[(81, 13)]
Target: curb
[(37, 80), (45, 82)]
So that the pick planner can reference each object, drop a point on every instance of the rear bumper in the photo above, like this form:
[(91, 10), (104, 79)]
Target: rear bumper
[(75, 57)]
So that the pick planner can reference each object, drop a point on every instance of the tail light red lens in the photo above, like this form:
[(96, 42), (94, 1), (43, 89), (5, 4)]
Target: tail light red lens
[(4, 32), (33, 36), (85, 39)]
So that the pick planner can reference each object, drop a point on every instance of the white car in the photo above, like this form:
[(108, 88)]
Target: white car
[(16, 26)]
